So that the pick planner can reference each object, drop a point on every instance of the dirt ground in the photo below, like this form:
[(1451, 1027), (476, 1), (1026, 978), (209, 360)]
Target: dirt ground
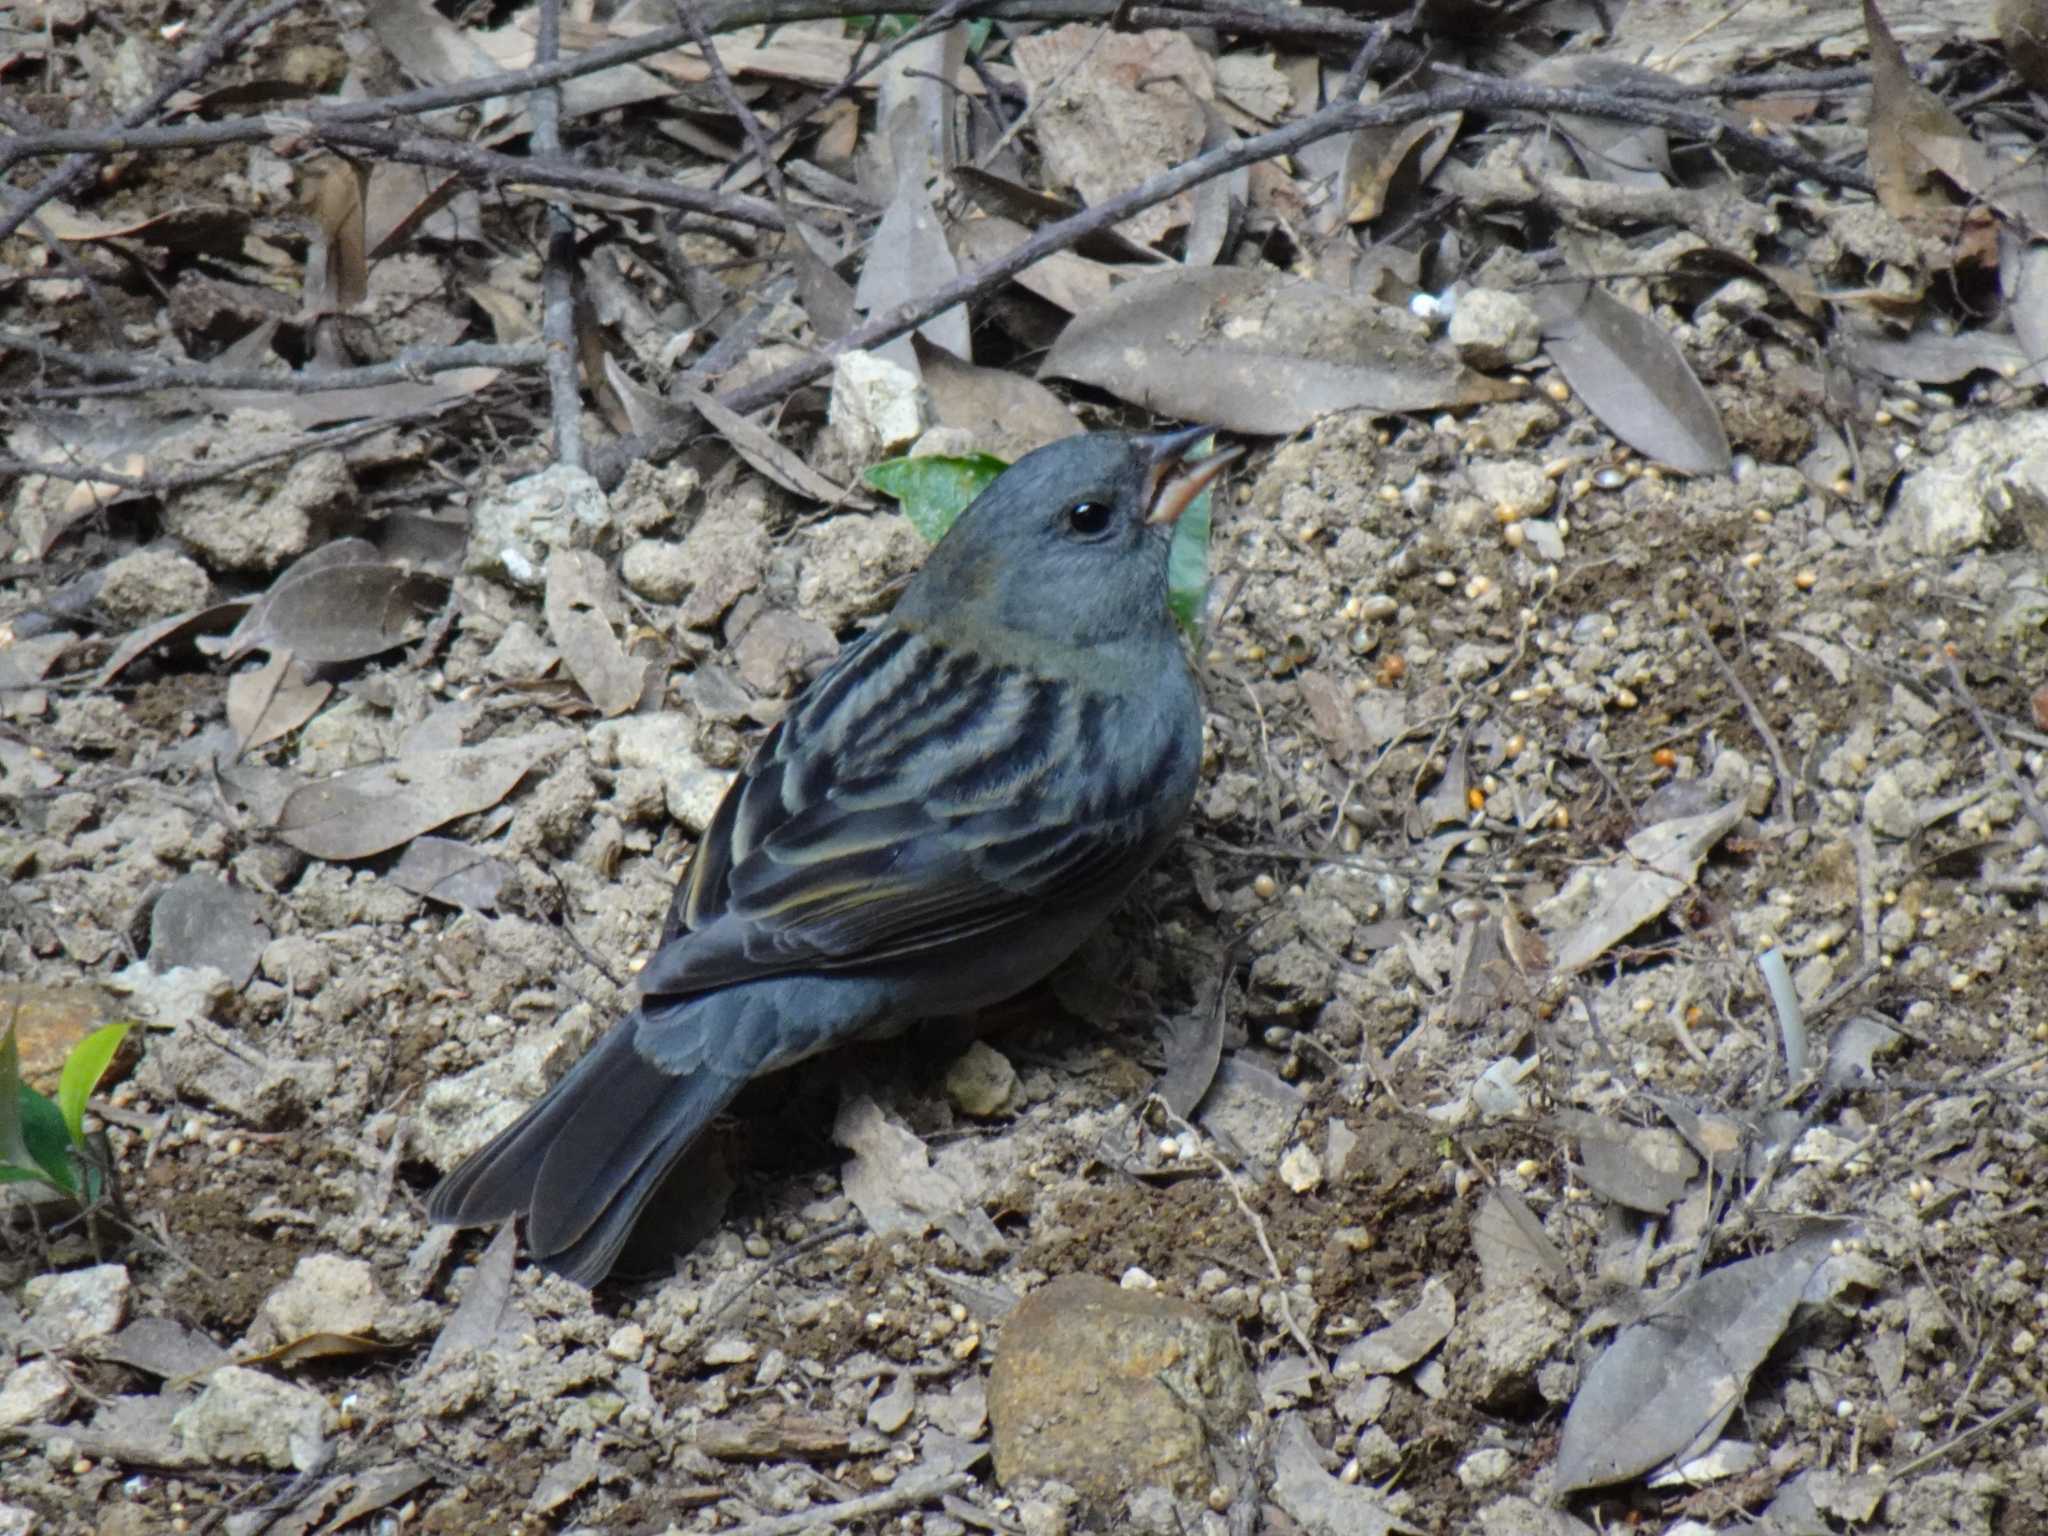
[(1453, 666)]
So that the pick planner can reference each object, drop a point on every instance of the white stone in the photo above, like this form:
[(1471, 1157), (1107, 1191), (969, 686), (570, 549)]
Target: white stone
[(877, 407), (1300, 1169), (246, 1416), (36, 1391), (512, 533), (67, 1310)]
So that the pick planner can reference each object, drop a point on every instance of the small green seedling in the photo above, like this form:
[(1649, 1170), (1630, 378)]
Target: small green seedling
[(935, 489), (43, 1140)]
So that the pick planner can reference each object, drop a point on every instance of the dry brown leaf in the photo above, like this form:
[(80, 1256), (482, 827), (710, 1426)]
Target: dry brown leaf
[(1915, 141), (366, 811), (338, 603), (1009, 413), (204, 228), (1630, 373), (581, 606), (272, 700), (1064, 280), (759, 447), (338, 266), (1259, 351), (1012, 200), (1376, 155), (1114, 108), (1624, 154)]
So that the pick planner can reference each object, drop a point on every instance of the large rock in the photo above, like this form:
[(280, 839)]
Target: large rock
[(246, 1416), (1113, 1391), (1992, 475)]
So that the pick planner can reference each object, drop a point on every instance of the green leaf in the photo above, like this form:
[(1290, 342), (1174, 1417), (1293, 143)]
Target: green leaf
[(32, 1140), (42, 1128), (14, 1151), (83, 1069), (1187, 564), (934, 490)]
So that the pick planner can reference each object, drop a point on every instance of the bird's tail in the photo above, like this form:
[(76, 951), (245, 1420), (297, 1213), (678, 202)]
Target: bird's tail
[(585, 1159)]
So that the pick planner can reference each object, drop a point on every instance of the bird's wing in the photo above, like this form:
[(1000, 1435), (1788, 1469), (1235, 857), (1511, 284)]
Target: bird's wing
[(925, 800)]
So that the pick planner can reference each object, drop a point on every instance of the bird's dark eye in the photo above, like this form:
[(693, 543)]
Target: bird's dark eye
[(1089, 519)]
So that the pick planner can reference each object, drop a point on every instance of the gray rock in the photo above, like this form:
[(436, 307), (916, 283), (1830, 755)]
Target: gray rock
[(326, 1294), (151, 584), (67, 1310), (512, 533), (521, 656), (664, 744), (1992, 471), (264, 519), (1492, 329), (1888, 808), (877, 407), (779, 649), (1496, 1347), (980, 1081), (1516, 486), (851, 562), (1111, 1391), (659, 570), (35, 1391), (200, 1060), (721, 560), (246, 1416)]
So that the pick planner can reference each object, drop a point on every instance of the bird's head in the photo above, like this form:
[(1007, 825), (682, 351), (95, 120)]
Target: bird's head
[(1068, 545)]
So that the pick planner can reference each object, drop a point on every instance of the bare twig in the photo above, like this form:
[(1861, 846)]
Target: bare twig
[(1756, 719), (905, 1495), (1949, 1447), (1960, 687), (412, 366), (721, 82), (228, 32), (558, 273), (1258, 1226), (206, 474)]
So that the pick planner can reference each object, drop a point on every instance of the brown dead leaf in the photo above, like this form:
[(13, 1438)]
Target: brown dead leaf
[(366, 811), (337, 603), (1630, 373), (582, 606), (1009, 413), (1008, 199), (272, 701), (1114, 108), (338, 268), (1064, 280), (205, 229), (1259, 351), (1916, 143), (1376, 155)]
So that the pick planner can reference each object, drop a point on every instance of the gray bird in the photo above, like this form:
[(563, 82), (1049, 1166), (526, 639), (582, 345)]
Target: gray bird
[(942, 816)]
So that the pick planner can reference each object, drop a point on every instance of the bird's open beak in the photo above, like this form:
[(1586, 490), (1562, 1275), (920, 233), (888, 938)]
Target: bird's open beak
[(1171, 482)]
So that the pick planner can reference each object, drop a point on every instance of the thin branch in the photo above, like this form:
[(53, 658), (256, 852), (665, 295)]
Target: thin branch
[(750, 125), (206, 474), (1756, 720), (558, 272), (470, 160), (412, 366), (1959, 685), (227, 33), (905, 1495)]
